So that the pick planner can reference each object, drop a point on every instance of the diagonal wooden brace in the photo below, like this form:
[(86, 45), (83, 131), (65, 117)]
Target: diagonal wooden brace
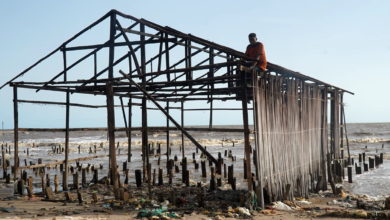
[(171, 119)]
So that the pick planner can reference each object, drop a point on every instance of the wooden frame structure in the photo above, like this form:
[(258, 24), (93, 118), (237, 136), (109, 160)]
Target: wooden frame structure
[(285, 88)]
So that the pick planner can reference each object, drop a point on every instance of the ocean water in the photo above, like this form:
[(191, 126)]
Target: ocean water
[(363, 137)]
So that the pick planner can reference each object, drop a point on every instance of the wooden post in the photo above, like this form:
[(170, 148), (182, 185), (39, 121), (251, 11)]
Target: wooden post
[(154, 177), (43, 184), (212, 179), (66, 143), (182, 125), (111, 135), (30, 186), (4, 164), (138, 178), (160, 176), (167, 131), (246, 128), (56, 183), (173, 197), (129, 137), (47, 180), (184, 169), (200, 200), (349, 174), (80, 198), (203, 163), (29, 189), (16, 128), (76, 180), (64, 59), (224, 171), (83, 177), (95, 176)]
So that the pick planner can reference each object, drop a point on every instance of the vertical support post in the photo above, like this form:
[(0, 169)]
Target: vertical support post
[(341, 125), (246, 129), (95, 66), (144, 111), (167, 57), (182, 125), (65, 184), (129, 137), (16, 134), (111, 136), (124, 116), (160, 53), (112, 47), (167, 131), (64, 59), (210, 75)]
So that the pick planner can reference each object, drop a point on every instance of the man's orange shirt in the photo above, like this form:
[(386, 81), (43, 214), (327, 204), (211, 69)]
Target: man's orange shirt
[(252, 51)]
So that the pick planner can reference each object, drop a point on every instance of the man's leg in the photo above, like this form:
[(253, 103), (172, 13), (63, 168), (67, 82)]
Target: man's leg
[(248, 64)]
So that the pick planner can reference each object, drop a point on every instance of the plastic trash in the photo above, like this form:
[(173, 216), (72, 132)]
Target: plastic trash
[(360, 214), (225, 187), (10, 209), (303, 202), (244, 211), (281, 206)]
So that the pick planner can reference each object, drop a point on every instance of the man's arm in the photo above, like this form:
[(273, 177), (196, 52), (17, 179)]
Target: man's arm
[(254, 63)]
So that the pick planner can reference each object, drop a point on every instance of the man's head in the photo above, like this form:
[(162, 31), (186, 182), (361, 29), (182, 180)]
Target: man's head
[(252, 38)]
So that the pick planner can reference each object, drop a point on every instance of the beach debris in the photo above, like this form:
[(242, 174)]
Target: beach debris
[(360, 214), (387, 203), (280, 206), (10, 209), (341, 204), (268, 212), (243, 210), (303, 202), (225, 187)]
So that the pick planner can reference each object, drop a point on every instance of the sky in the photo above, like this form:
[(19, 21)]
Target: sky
[(343, 43)]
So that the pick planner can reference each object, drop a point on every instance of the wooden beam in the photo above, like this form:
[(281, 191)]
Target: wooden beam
[(70, 104), (120, 44), (217, 65)]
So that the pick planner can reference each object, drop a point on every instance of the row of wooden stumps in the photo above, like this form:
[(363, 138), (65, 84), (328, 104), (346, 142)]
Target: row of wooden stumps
[(362, 166), (228, 173)]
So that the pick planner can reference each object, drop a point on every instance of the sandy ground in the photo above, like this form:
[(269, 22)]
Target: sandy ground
[(32, 209)]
